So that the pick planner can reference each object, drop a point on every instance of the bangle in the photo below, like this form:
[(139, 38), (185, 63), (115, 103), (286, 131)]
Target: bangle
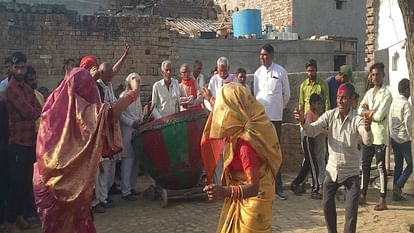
[(232, 192), (241, 192)]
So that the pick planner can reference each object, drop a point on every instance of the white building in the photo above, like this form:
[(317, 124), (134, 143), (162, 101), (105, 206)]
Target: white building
[(391, 37)]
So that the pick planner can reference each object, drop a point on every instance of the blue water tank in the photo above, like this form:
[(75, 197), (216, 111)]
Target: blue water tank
[(247, 22)]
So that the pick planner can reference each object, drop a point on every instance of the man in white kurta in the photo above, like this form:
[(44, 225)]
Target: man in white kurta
[(165, 93)]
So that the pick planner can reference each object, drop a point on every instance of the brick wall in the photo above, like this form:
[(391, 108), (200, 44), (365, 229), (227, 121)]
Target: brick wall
[(276, 12), (291, 148), (372, 32), (48, 39)]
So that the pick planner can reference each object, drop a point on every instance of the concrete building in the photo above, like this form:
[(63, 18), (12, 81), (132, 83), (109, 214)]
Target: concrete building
[(292, 55), (338, 18)]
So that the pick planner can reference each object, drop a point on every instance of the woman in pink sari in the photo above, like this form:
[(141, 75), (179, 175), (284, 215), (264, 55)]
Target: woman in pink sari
[(76, 129)]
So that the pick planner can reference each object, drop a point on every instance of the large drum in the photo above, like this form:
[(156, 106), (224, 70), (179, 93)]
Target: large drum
[(169, 148)]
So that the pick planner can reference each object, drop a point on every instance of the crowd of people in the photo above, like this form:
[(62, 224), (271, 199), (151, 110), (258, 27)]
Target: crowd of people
[(45, 177)]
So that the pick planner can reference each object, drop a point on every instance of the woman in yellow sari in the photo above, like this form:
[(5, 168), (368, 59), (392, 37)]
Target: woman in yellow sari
[(239, 129)]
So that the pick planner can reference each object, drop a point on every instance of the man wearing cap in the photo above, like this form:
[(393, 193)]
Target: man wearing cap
[(343, 76)]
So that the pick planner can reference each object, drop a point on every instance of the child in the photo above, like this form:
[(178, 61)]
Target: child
[(308, 145), (242, 77)]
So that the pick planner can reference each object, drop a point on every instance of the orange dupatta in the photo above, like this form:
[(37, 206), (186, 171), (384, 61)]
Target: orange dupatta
[(191, 84)]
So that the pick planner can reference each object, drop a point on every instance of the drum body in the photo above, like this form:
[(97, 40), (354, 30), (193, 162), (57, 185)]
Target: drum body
[(169, 148)]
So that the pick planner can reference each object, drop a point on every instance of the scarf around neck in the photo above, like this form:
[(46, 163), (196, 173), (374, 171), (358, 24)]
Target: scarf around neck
[(190, 83)]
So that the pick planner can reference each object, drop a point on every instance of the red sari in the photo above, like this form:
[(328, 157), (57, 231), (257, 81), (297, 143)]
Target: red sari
[(75, 131)]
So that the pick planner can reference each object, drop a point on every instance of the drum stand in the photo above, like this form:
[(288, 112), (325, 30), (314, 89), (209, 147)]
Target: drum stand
[(154, 192)]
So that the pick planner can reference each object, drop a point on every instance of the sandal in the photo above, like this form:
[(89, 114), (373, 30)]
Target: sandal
[(380, 207)]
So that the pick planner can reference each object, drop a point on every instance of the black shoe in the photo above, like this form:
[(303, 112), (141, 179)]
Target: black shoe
[(398, 197), (33, 219), (281, 196), (302, 188), (114, 190), (107, 205), (99, 209), (316, 195), (135, 193), (295, 189), (363, 199), (129, 197)]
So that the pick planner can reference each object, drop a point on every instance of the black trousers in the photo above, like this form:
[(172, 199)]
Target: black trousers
[(330, 188), (368, 153), (20, 162), (278, 178), (4, 184), (310, 163)]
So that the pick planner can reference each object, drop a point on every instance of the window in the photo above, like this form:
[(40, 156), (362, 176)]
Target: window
[(395, 61), (340, 4), (339, 60)]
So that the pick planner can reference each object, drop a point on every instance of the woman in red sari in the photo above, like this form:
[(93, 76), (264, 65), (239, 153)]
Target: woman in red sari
[(239, 128), (76, 129)]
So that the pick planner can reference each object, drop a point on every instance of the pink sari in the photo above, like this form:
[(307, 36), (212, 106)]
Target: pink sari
[(75, 131)]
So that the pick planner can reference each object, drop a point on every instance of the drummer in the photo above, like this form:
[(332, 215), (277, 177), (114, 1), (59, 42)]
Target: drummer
[(165, 93), (190, 93)]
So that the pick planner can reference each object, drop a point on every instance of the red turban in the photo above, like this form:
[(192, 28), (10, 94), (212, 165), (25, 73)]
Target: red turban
[(88, 62)]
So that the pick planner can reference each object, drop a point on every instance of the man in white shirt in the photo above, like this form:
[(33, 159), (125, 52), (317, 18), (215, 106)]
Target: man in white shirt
[(106, 174), (344, 128), (400, 119), (165, 93), (5, 81), (217, 81), (376, 104), (271, 88), (105, 177)]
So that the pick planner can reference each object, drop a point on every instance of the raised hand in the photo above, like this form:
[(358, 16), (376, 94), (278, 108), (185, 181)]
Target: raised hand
[(126, 48)]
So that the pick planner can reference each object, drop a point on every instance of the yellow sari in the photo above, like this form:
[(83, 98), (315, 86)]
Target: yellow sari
[(238, 115)]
